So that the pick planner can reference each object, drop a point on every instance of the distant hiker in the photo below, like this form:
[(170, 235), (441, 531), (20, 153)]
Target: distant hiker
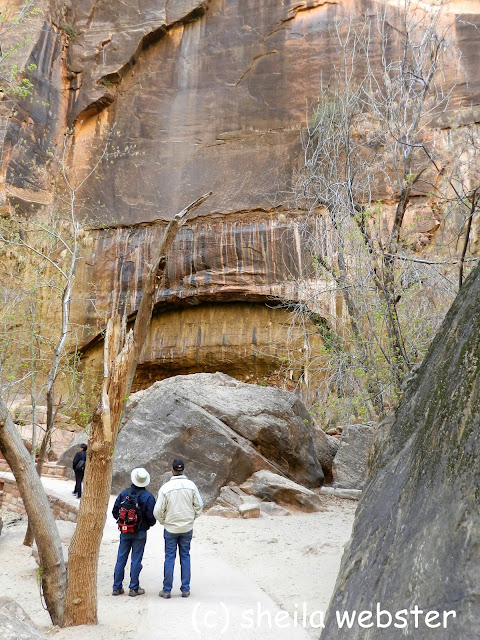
[(78, 464), (178, 504), (133, 511)]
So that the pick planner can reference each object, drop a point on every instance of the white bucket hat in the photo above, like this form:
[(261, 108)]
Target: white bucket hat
[(140, 477)]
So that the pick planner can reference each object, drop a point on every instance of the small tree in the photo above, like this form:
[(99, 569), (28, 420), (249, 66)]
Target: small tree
[(48, 248)]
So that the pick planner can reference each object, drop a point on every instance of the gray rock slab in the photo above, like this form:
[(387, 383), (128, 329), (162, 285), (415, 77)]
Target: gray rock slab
[(273, 509), (324, 451), (224, 512), (348, 494), (67, 456), (15, 623), (234, 497), (333, 443)]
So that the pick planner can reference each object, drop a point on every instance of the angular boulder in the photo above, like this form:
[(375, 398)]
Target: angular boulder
[(223, 512), (333, 443), (15, 623), (234, 497), (273, 509), (274, 488), (416, 534), (350, 462), (249, 510), (232, 500), (67, 456), (224, 429)]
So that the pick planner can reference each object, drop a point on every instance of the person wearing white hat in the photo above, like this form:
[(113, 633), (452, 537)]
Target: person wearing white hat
[(133, 511)]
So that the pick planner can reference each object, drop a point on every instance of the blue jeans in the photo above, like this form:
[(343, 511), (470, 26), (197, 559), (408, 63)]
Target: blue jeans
[(134, 542), (172, 540)]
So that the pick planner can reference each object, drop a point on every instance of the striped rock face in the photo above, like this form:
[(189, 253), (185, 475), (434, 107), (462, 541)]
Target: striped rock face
[(201, 96)]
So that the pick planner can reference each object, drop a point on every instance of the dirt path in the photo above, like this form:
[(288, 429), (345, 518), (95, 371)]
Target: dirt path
[(251, 579)]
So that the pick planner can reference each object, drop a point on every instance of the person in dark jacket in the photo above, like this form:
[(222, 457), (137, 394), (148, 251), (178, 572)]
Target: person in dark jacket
[(134, 542), (78, 465)]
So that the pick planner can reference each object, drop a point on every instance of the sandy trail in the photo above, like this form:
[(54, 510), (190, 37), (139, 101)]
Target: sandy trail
[(261, 578)]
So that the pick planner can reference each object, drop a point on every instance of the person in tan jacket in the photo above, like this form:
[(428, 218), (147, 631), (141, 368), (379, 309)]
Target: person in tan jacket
[(177, 506)]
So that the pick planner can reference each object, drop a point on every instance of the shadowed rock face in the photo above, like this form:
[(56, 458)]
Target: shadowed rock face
[(203, 95), (417, 529)]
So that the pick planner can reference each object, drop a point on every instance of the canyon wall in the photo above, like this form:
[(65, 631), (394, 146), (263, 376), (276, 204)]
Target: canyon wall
[(190, 97)]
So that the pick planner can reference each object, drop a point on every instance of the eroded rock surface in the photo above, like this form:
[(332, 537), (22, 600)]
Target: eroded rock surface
[(224, 429), (15, 624), (417, 528)]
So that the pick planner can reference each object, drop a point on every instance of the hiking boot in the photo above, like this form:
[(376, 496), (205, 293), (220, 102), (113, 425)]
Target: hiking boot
[(118, 592), (165, 594), (136, 592), (185, 594)]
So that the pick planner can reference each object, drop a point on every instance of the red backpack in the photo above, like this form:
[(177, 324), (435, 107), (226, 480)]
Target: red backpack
[(130, 514)]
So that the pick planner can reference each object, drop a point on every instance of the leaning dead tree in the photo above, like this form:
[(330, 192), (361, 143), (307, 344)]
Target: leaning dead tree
[(122, 349)]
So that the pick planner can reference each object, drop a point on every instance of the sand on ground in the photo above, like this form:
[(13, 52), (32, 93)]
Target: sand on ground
[(265, 578)]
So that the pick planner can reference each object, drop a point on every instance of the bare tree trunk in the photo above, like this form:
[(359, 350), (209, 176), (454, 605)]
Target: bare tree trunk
[(28, 540), (39, 514), (29, 537), (467, 237), (121, 355)]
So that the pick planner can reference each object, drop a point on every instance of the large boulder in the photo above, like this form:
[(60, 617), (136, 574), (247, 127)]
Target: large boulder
[(274, 488), (15, 623), (224, 429), (350, 462), (416, 534)]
